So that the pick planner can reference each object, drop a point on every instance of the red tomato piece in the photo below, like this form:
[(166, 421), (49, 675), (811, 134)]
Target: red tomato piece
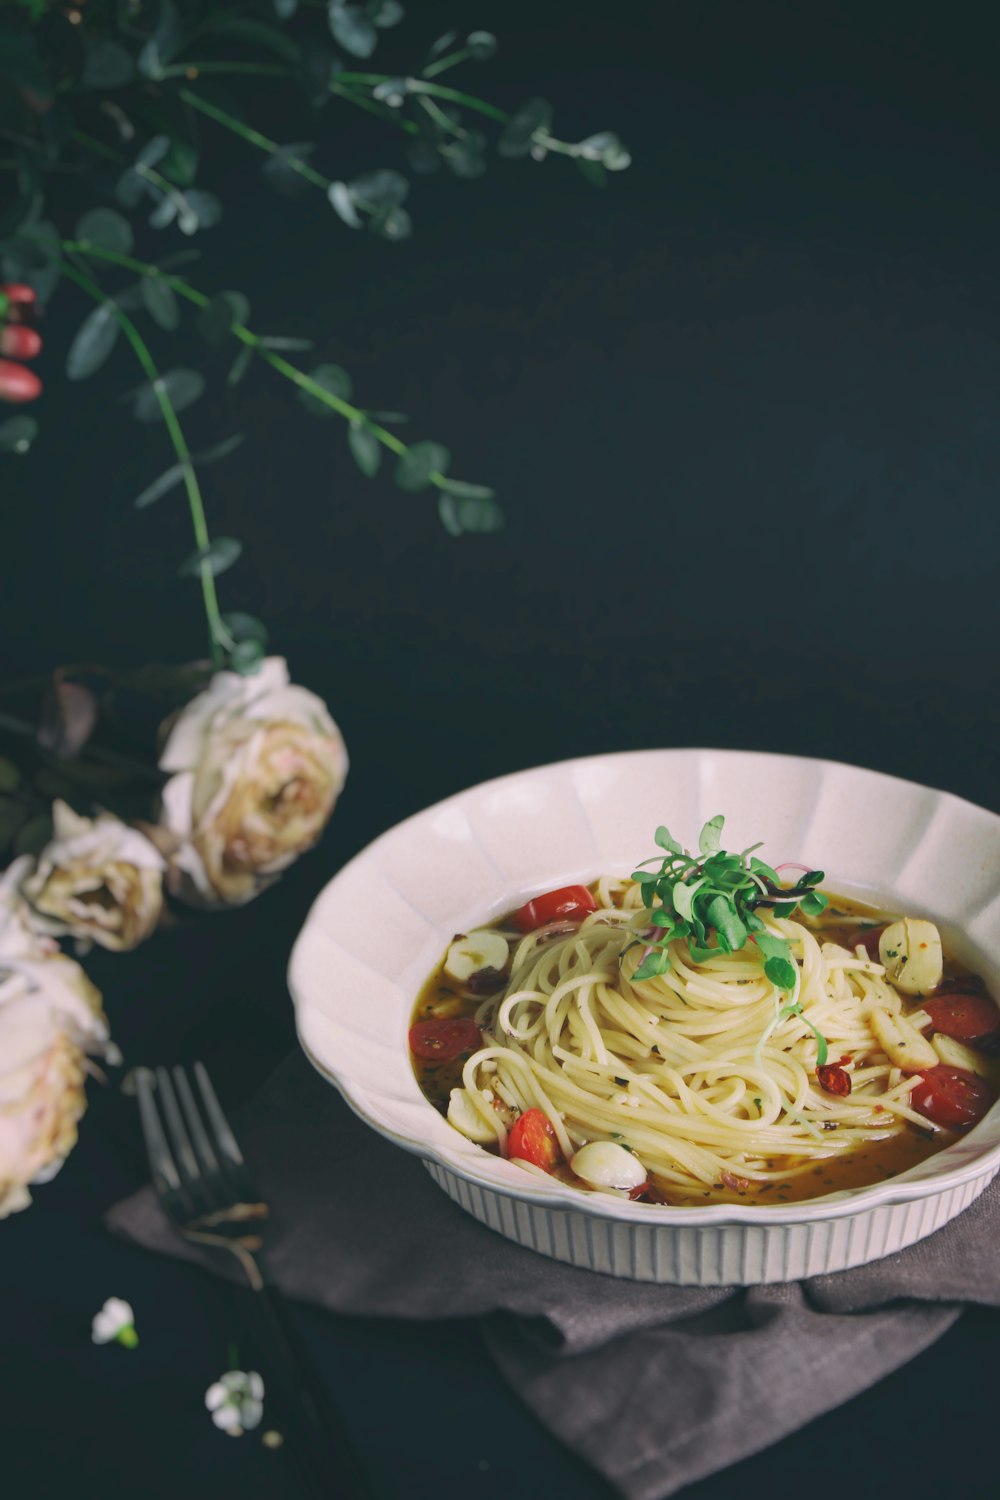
[(966, 1017), (868, 938), (533, 1139), (444, 1039), (952, 1096), (571, 903)]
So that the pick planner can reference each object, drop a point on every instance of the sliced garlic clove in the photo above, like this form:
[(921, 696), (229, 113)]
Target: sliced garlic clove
[(464, 1115), (478, 950), (910, 950), (901, 1042), (956, 1055), (605, 1164)]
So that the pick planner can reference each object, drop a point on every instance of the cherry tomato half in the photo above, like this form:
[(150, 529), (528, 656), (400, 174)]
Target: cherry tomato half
[(444, 1039), (571, 903), (533, 1139), (965, 1017), (952, 1096)]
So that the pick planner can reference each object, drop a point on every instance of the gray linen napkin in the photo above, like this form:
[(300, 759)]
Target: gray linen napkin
[(656, 1386)]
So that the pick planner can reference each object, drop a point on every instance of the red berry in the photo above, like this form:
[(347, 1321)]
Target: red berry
[(21, 342), (18, 384)]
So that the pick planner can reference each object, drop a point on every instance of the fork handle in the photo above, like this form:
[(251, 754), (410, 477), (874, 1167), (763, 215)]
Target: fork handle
[(318, 1430)]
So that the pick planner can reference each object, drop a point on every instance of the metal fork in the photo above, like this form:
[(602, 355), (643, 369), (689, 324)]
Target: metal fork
[(204, 1186)]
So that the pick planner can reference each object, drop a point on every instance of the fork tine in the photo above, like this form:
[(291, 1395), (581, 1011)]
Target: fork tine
[(224, 1137), (184, 1157), (199, 1136), (161, 1163)]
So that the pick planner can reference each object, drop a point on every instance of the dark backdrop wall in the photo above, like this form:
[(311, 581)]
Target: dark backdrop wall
[(742, 412)]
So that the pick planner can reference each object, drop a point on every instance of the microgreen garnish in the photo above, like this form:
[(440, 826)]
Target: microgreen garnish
[(712, 900)]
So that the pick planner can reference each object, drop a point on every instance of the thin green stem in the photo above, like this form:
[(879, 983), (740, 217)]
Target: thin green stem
[(218, 635), (93, 144), (450, 60), (194, 69), (390, 116), (438, 115), (246, 336), (439, 90), (255, 138)]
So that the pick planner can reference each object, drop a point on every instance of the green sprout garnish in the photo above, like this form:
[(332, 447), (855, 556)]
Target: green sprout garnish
[(712, 900)]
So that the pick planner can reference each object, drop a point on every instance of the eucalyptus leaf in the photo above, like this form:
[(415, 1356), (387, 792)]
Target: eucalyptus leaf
[(246, 657), (333, 378), (160, 302), (285, 9), (392, 91), (17, 434), (165, 212), (482, 45), (343, 204), (219, 555), (442, 44), (223, 311), (244, 627), (93, 342), (106, 65), (386, 13), (106, 229), (366, 449), (131, 188), (10, 776), (466, 156), (282, 169), (415, 467), (152, 152), (240, 365), (460, 517), (181, 387), (380, 189), (517, 136), (391, 224), (317, 68), (164, 43), (200, 210), (352, 29), (463, 490), (593, 171), (219, 450), (168, 480), (423, 155)]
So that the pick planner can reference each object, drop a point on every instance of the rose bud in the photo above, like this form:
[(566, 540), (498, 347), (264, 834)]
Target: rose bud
[(98, 880)]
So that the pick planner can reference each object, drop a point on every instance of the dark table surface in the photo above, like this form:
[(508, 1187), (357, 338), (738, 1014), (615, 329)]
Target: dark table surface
[(742, 411)]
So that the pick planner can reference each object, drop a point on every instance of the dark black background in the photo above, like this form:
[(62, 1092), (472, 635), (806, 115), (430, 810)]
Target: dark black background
[(741, 411)]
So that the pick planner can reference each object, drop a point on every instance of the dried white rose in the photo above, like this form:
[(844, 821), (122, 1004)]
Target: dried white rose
[(258, 765), (98, 880), (236, 1401), (50, 1017), (115, 1323)]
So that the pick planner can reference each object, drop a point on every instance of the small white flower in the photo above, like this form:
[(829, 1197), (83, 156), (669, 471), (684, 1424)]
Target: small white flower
[(115, 1323), (236, 1401)]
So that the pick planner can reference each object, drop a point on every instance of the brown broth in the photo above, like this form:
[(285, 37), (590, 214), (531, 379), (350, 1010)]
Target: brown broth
[(873, 1162)]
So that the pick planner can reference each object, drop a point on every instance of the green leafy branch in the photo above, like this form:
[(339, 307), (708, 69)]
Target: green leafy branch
[(712, 900)]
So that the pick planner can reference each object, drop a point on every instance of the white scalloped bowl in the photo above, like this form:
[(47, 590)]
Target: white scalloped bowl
[(379, 928)]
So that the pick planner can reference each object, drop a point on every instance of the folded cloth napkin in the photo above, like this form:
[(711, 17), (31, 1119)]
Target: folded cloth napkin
[(656, 1386)]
